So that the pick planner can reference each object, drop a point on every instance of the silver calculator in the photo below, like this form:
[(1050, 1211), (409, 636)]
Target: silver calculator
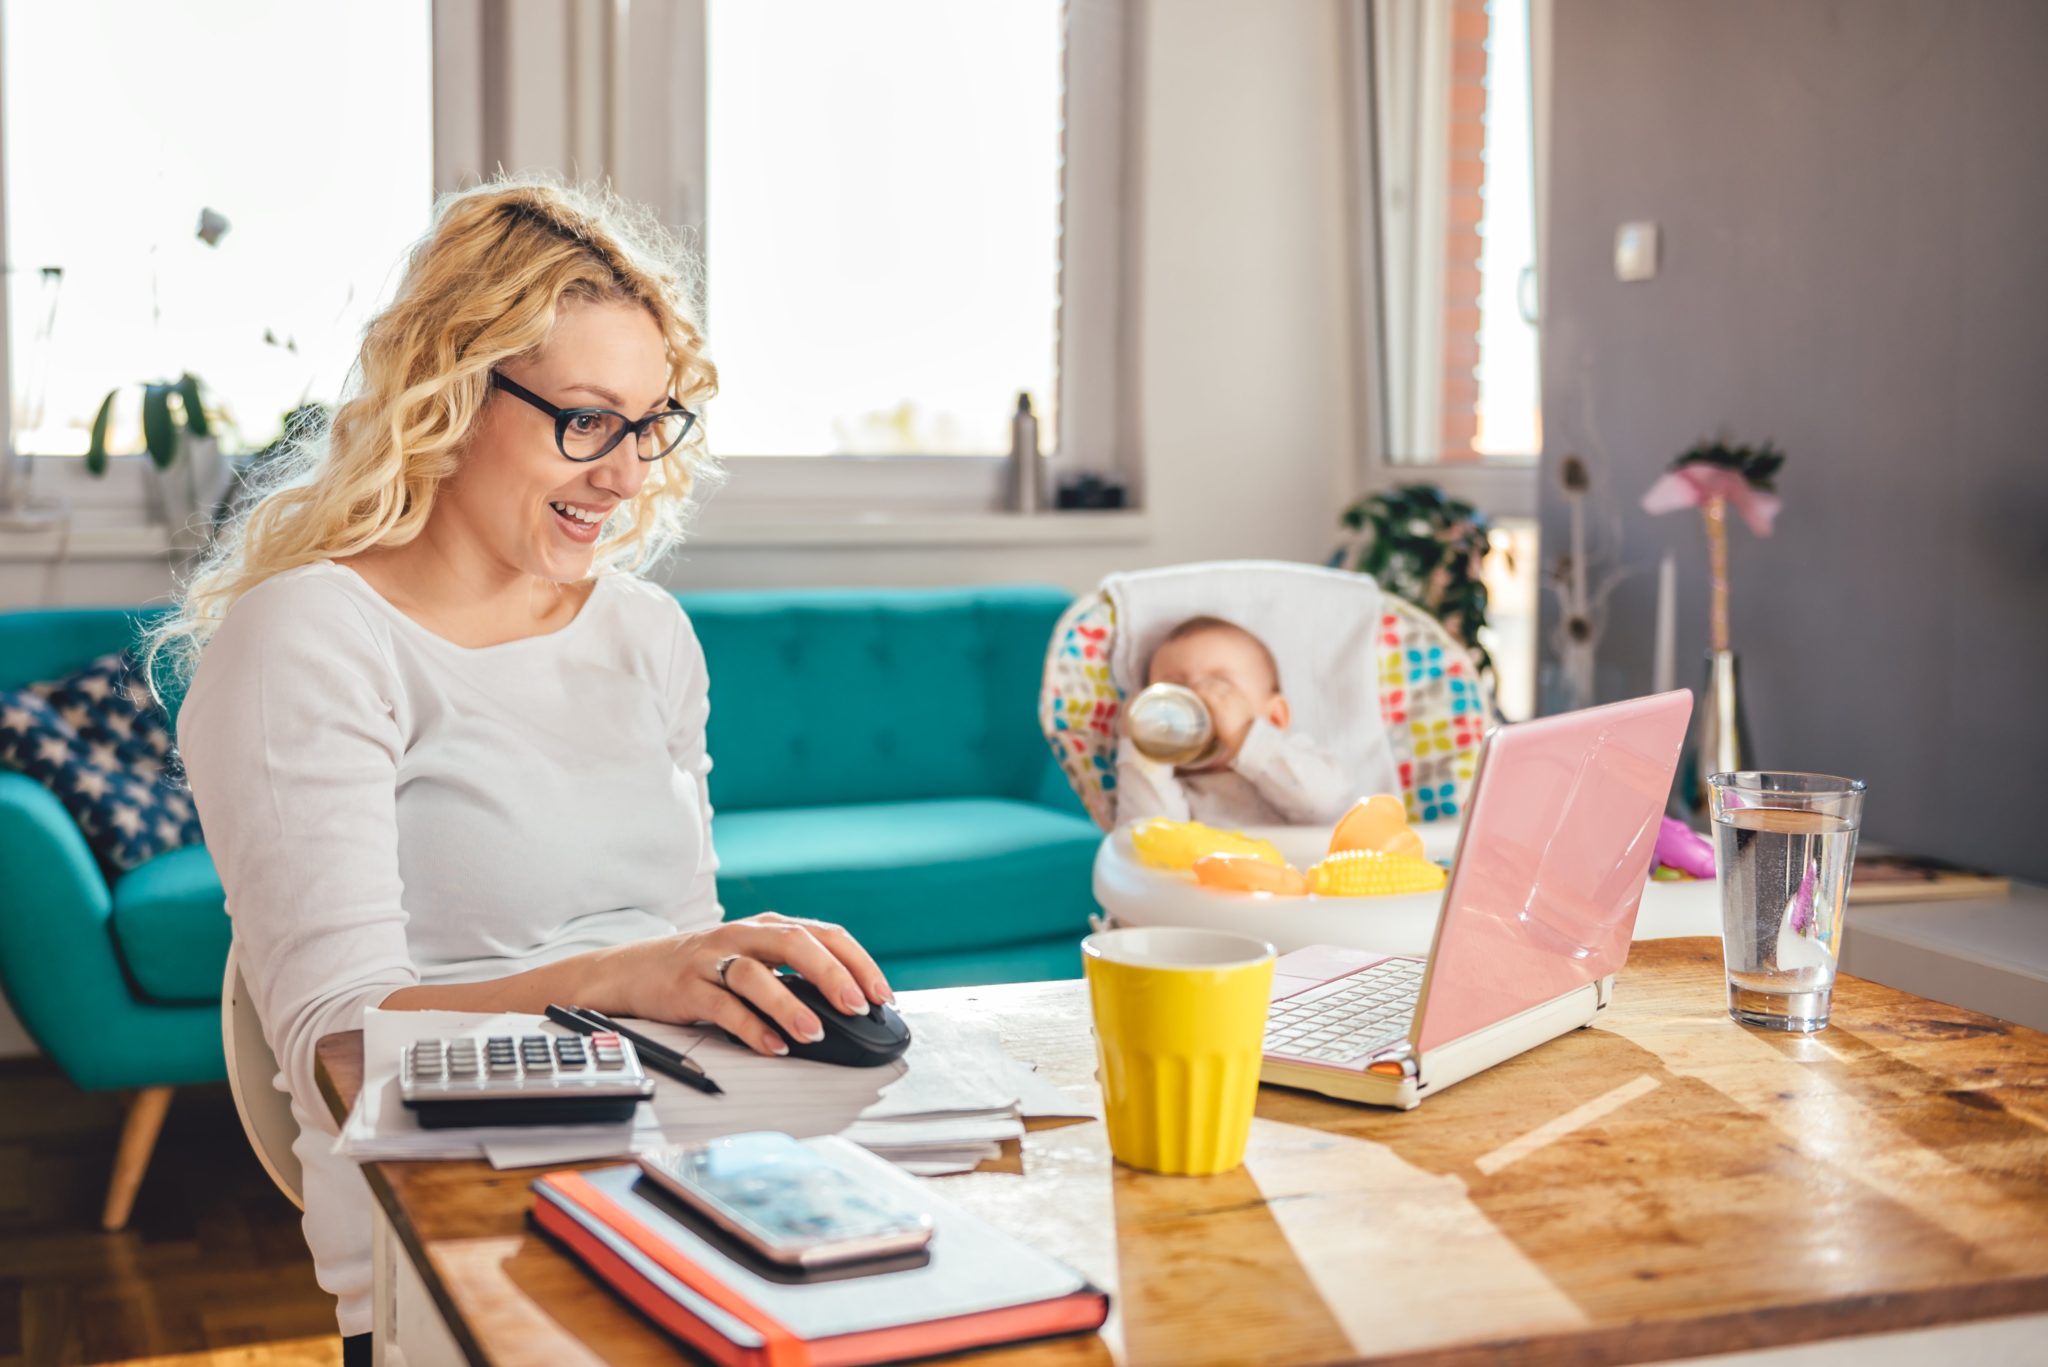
[(523, 1080)]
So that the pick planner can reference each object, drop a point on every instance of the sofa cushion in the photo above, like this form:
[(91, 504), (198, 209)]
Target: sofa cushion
[(956, 890), (1040, 961), (1016, 874), (36, 643), (875, 695), (102, 746), (914, 878), (170, 920)]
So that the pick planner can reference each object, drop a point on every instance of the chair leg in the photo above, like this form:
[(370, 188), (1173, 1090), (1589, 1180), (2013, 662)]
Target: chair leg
[(131, 1160)]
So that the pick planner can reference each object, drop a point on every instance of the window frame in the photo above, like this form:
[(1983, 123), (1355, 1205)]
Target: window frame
[(648, 132), (1502, 489)]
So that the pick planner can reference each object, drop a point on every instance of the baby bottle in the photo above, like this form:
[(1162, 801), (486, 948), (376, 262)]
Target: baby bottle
[(1171, 724)]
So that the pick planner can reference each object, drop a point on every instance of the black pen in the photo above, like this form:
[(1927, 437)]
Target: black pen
[(653, 1052)]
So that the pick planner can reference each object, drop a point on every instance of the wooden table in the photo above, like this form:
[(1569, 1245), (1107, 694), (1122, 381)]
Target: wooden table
[(1663, 1185)]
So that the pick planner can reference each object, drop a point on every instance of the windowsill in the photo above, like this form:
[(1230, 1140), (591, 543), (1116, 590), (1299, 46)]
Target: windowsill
[(727, 528), (723, 529), (91, 542)]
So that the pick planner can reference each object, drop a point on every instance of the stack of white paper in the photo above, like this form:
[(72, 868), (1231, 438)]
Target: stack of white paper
[(381, 1127), (946, 1105)]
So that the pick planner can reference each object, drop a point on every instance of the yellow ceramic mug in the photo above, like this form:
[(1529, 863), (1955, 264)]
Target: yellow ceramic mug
[(1180, 1021)]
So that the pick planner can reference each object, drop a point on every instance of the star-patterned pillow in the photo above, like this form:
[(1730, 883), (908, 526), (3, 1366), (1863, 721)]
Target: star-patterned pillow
[(102, 745)]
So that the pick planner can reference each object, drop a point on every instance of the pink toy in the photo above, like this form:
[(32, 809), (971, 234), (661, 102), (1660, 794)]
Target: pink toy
[(1682, 848)]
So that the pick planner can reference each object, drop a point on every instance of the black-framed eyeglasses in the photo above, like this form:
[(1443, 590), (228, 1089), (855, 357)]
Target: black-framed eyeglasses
[(587, 434)]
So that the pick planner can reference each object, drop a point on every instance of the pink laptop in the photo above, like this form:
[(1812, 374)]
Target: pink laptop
[(1536, 919)]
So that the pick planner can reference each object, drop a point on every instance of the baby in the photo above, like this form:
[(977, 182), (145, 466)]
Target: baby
[(1262, 775)]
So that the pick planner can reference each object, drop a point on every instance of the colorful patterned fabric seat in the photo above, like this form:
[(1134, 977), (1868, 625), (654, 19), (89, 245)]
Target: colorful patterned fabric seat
[(1430, 699)]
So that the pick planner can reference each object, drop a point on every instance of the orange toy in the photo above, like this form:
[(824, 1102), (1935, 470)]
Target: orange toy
[(1249, 873), (1376, 823)]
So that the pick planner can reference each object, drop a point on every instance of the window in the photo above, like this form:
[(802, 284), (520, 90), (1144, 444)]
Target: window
[(1449, 103), (1509, 573), (882, 223), (304, 130), (910, 212), (1453, 115)]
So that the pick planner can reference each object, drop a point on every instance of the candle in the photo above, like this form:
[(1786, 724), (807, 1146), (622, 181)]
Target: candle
[(1663, 668)]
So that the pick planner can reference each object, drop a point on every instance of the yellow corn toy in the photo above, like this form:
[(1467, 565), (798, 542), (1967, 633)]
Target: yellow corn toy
[(1176, 845), (1373, 873)]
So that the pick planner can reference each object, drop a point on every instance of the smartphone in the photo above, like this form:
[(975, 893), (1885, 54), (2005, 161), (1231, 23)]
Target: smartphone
[(788, 1202)]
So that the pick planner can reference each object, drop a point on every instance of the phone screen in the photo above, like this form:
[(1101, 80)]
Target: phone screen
[(787, 1196)]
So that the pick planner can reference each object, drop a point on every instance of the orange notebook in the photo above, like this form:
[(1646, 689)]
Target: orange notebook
[(974, 1286)]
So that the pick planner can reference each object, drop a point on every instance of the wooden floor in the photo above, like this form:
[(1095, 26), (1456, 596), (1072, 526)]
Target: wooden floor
[(211, 1271)]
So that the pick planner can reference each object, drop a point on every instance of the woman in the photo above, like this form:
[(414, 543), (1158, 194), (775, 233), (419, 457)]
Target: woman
[(448, 749)]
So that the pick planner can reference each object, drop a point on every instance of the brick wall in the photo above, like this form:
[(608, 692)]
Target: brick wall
[(1467, 144)]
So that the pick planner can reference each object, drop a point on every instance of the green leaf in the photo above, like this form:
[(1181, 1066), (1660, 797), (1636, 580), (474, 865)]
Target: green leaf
[(96, 449), (195, 411), (159, 432), (1758, 465)]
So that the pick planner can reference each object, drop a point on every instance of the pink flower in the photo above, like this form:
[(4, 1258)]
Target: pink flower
[(1696, 484)]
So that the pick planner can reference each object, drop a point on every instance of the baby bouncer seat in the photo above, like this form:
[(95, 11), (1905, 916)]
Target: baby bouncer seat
[(1373, 678)]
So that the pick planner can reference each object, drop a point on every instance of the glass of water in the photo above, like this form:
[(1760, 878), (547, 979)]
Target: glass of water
[(1783, 846)]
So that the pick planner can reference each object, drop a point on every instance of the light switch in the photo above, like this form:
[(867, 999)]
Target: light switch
[(1635, 251)]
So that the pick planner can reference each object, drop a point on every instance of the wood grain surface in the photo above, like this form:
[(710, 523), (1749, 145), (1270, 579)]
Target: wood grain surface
[(1663, 1184), (211, 1270)]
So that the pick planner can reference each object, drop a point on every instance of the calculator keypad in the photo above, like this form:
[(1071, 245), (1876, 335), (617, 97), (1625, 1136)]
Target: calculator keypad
[(524, 1067)]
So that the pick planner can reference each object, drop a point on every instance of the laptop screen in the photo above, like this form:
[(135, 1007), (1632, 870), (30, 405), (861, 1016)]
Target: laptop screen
[(1557, 843)]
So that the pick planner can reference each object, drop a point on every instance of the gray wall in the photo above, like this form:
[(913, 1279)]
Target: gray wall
[(1854, 201)]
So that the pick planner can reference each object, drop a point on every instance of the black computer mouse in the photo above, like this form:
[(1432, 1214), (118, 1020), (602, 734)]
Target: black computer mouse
[(866, 1041)]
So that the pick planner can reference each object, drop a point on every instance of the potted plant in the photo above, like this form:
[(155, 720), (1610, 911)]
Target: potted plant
[(174, 424), (1427, 547)]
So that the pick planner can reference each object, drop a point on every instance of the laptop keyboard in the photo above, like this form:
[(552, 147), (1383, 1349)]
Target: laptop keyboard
[(1353, 1015)]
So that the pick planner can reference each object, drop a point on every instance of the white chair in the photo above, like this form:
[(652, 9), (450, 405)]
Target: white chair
[(265, 1111)]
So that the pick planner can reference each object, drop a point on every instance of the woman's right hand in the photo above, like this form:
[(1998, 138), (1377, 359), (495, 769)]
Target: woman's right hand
[(678, 977)]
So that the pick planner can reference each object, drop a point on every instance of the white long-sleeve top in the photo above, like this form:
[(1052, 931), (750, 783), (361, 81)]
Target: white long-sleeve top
[(1278, 778), (388, 808)]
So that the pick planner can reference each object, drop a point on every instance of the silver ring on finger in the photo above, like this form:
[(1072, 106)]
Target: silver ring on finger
[(724, 966)]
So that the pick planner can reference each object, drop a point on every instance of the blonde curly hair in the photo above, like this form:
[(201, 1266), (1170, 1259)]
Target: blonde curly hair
[(483, 287)]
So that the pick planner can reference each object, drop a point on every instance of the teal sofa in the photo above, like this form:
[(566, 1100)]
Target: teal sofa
[(876, 762)]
